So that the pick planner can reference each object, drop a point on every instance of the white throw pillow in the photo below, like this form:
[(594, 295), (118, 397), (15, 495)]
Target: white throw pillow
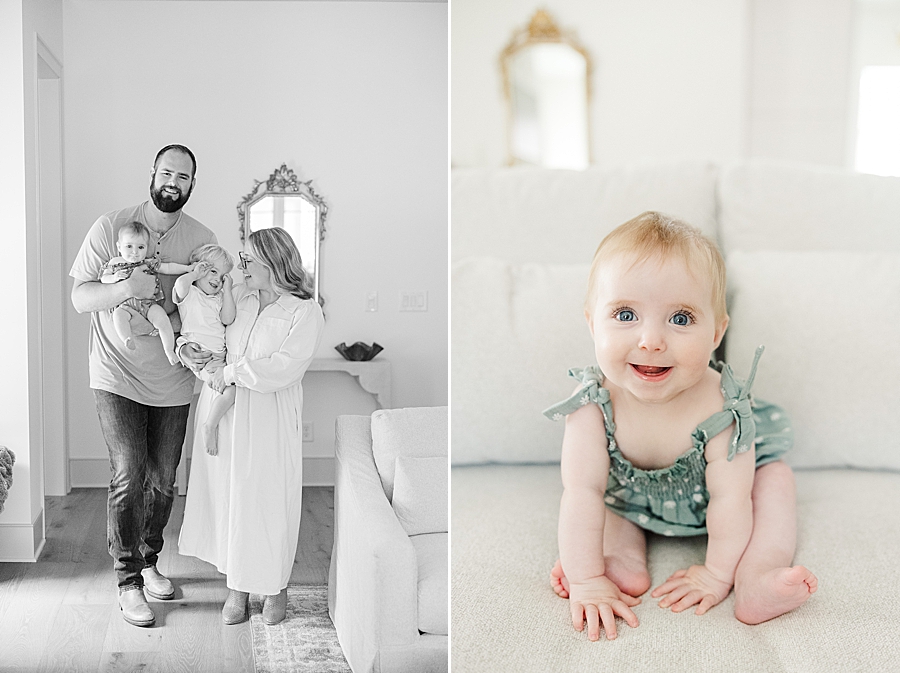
[(530, 214), (830, 322), (773, 205), (414, 431), (420, 494), (516, 330)]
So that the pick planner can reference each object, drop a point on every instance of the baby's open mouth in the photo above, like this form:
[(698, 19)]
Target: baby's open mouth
[(647, 370)]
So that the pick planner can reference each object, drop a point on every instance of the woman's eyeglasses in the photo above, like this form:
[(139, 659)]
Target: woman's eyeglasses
[(244, 259)]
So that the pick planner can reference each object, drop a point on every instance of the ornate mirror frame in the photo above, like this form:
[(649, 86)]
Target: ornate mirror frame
[(540, 30), (284, 182)]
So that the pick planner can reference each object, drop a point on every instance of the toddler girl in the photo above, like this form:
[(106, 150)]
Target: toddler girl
[(206, 306), (133, 242), (645, 445)]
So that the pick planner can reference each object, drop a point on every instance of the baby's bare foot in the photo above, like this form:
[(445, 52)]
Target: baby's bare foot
[(630, 575), (173, 359), (618, 570), (558, 580), (773, 593), (210, 434)]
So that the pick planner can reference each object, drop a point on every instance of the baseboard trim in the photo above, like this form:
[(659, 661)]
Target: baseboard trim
[(89, 472), (318, 471), (22, 542), (94, 472)]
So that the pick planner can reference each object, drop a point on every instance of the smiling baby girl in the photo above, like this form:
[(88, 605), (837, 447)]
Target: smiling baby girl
[(659, 438)]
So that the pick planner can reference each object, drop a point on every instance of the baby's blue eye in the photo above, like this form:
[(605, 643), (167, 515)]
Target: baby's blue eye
[(681, 319), (625, 315)]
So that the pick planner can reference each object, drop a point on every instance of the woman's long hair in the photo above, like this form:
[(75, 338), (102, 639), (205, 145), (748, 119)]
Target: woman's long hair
[(276, 249)]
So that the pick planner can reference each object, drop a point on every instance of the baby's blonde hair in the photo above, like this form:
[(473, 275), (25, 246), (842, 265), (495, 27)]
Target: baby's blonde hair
[(212, 252), (654, 234)]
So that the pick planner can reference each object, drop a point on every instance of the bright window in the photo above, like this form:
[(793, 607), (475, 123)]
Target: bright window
[(878, 122)]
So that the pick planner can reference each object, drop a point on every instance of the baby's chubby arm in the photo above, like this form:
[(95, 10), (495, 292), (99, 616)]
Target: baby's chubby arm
[(729, 522), (107, 275), (229, 310), (593, 597), (186, 279), (174, 269)]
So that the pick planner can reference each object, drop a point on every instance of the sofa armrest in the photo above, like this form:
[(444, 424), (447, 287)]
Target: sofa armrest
[(372, 583)]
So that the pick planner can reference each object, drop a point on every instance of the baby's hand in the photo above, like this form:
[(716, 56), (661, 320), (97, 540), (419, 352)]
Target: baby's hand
[(690, 587), (227, 281), (599, 600), (201, 268), (216, 381), (122, 274)]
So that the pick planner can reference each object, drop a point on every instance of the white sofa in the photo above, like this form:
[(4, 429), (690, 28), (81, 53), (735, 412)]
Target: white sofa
[(387, 584), (814, 274)]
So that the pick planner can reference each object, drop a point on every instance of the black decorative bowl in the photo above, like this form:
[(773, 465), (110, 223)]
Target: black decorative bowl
[(358, 352)]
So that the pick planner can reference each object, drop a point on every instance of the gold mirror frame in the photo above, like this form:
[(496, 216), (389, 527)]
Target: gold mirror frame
[(541, 30), (284, 182)]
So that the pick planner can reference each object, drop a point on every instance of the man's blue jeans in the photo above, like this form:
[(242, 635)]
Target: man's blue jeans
[(144, 445)]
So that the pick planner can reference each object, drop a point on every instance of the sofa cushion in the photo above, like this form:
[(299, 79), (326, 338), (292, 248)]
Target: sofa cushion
[(777, 206), (517, 329), (505, 520), (830, 322), (415, 431), (420, 494), (559, 216), (431, 557)]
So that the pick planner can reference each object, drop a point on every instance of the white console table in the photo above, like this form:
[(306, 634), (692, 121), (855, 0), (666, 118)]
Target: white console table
[(374, 376)]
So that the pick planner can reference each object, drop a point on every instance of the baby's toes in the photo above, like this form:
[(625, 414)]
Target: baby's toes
[(812, 582), (798, 575), (558, 587)]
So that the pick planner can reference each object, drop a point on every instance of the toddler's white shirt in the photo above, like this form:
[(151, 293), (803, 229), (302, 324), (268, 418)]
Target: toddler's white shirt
[(201, 319)]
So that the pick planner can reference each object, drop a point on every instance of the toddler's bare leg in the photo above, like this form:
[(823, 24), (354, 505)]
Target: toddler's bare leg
[(210, 429), (157, 316), (624, 555), (122, 322), (766, 585)]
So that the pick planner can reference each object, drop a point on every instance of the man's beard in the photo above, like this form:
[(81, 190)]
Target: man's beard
[(165, 202)]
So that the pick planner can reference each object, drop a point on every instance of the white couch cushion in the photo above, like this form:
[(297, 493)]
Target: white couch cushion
[(830, 322), (420, 494), (517, 329), (767, 205), (505, 522), (431, 556), (415, 431), (543, 215)]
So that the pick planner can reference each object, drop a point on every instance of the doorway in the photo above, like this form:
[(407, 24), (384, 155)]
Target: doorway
[(50, 276)]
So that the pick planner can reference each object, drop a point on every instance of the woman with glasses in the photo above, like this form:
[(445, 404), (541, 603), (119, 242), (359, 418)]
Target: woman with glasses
[(243, 508)]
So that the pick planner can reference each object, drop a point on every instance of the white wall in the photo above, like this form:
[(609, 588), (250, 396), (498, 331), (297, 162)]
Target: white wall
[(799, 80), (720, 80), (668, 76), (350, 94), (21, 524)]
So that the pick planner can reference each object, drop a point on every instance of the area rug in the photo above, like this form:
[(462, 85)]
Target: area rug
[(305, 642)]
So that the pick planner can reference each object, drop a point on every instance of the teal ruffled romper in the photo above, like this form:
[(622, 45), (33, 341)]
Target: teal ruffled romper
[(672, 500)]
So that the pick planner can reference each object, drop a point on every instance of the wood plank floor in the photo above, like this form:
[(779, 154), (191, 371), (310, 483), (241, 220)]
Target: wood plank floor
[(61, 613)]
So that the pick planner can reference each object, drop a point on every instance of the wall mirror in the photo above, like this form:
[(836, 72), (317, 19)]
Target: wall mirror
[(547, 85), (286, 202)]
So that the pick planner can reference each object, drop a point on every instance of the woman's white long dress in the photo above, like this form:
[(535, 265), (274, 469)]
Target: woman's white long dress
[(243, 505)]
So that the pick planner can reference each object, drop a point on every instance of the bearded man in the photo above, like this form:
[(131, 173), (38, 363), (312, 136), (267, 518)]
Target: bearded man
[(142, 400)]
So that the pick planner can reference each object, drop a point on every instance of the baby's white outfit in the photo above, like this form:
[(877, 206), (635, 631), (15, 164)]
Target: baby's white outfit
[(201, 323)]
